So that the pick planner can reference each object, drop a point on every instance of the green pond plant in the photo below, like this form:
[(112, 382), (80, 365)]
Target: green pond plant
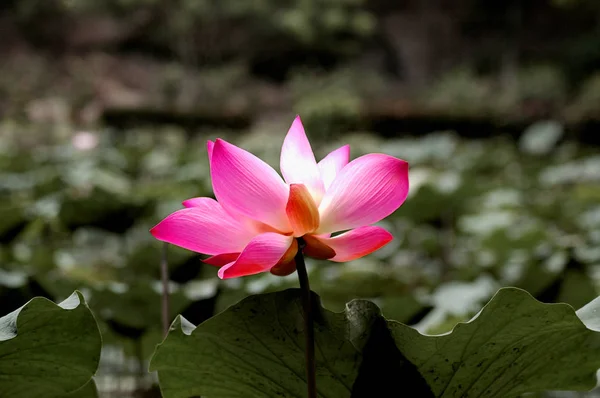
[(284, 341)]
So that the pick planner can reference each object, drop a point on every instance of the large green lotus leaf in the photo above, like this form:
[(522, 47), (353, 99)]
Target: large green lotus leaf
[(516, 344), (256, 349), (48, 350)]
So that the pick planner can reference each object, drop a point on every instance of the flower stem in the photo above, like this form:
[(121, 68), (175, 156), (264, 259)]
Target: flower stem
[(309, 331), (164, 274)]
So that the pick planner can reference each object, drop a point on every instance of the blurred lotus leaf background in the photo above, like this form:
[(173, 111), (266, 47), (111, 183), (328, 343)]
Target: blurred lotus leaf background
[(106, 106)]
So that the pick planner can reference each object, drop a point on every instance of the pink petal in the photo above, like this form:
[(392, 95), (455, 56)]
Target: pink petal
[(194, 202), (205, 228), (252, 226), (250, 223), (245, 184), (366, 190), (209, 149), (298, 164), (221, 259), (331, 164), (260, 255), (357, 243)]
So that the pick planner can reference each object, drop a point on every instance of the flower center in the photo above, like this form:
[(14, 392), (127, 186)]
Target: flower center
[(302, 211)]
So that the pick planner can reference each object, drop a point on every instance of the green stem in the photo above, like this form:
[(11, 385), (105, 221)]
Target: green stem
[(309, 331), (164, 275)]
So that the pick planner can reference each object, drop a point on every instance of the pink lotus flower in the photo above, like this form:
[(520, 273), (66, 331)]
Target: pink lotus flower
[(252, 225)]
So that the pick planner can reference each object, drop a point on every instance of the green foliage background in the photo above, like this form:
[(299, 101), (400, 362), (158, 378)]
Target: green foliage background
[(494, 110), (480, 215)]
